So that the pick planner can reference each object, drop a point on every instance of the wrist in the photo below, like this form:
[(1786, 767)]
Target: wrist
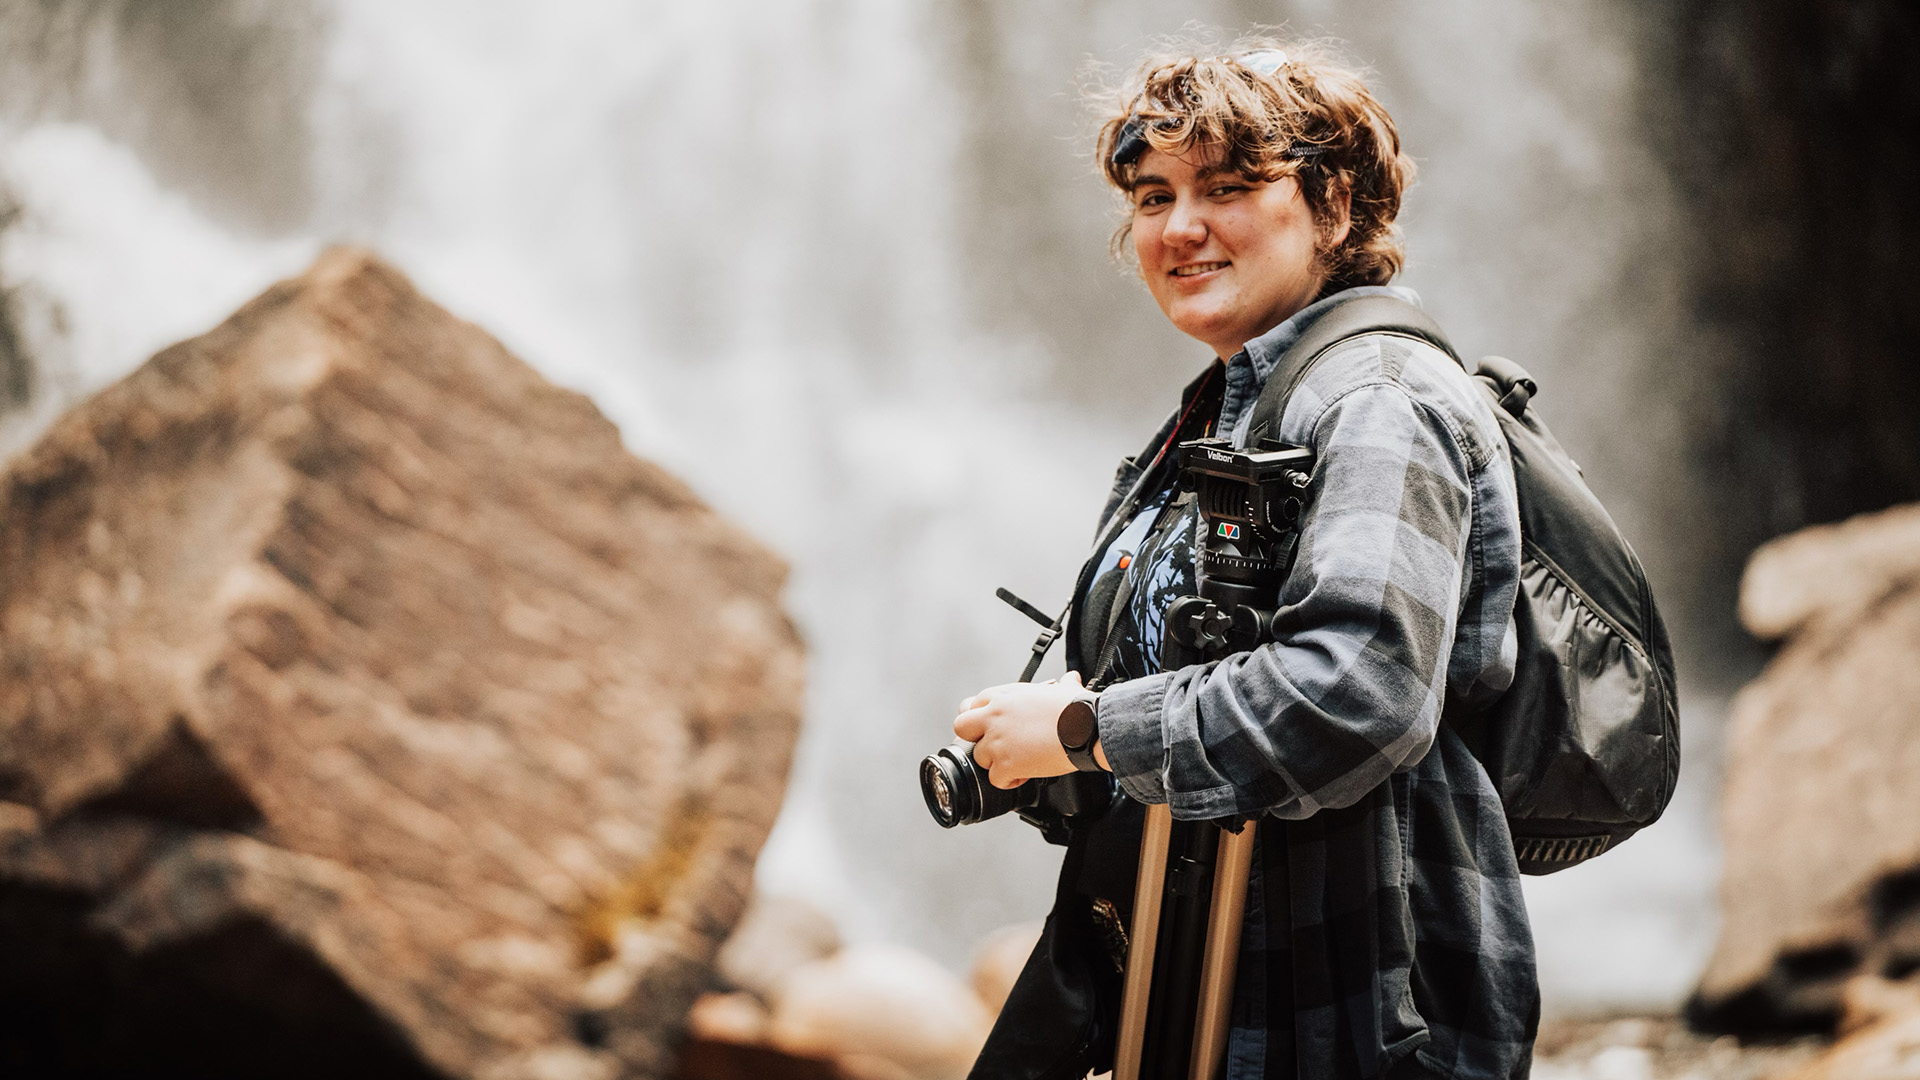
[(1079, 732)]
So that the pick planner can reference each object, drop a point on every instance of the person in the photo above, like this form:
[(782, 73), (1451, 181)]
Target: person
[(1385, 934)]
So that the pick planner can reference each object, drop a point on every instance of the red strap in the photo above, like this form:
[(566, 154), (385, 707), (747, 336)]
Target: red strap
[(1180, 425)]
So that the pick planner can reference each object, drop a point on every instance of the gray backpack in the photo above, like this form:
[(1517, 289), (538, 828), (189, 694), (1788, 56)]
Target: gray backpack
[(1584, 747)]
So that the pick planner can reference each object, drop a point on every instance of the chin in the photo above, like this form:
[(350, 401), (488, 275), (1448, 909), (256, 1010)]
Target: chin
[(1203, 328)]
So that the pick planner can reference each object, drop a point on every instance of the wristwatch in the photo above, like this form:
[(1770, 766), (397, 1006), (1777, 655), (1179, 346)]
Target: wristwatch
[(1079, 731)]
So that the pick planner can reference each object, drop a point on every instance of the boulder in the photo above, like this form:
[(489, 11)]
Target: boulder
[(709, 1059), (880, 1012), (1821, 807), (778, 935), (366, 709), (998, 961), (1880, 1028), (731, 1017), (727, 1040), (1816, 578), (1659, 1047), (868, 1012)]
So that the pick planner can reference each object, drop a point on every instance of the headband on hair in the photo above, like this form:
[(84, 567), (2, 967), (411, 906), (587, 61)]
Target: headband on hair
[(1261, 61), (1131, 143)]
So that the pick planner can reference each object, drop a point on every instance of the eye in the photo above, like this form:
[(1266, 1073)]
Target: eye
[(1226, 191), (1151, 200)]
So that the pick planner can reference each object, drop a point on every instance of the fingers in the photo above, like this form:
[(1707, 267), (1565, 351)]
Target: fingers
[(984, 757), (1002, 721), (985, 697), (995, 691), (971, 725)]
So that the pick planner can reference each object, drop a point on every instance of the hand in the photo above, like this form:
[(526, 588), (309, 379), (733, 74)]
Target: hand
[(1015, 729)]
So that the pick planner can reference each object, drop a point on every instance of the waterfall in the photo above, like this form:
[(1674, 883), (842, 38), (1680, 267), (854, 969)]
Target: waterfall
[(841, 264)]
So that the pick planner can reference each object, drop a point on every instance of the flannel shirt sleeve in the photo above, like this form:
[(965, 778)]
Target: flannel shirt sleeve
[(1352, 690)]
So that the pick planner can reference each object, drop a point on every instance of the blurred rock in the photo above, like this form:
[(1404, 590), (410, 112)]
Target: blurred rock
[(1833, 573), (1821, 807), (777, 936), (1881, 1022), (998, 961), (1886, 1051), (706, 1059), (727, 1040), (368, 710), (1868, 999), (1658, 1048), (871, 1013), (881, 1013), (737, 1017)]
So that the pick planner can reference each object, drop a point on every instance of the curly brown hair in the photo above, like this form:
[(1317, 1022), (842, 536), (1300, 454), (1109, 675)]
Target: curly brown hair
[(1313, 118)]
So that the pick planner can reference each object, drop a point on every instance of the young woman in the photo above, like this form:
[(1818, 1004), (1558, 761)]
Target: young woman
[(1385, 934)]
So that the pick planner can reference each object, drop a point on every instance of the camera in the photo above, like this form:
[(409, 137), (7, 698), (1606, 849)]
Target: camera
[(958, 793)]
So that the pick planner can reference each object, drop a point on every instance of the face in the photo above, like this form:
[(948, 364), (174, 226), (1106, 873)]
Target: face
[(1226, 257)]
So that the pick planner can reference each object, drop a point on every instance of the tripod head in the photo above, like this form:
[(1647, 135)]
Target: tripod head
[(1250, 503)]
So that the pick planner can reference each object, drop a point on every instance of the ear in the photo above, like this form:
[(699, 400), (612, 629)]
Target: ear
[(1338, 213)]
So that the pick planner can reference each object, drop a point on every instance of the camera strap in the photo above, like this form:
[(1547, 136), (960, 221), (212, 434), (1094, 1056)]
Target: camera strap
[(1348, 320), (1116, 522), (1147, 483)]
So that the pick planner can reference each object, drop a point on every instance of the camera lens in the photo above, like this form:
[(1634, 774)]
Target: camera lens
[(945, 785)]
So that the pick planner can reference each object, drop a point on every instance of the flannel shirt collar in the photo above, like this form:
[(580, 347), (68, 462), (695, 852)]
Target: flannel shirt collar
[(1247, 371)]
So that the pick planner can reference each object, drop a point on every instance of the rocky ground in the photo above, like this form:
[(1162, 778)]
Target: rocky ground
[(731, 1041), (1660, 1048)]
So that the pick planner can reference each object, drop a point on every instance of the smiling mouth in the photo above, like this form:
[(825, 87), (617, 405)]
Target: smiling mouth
[(1191, 269)]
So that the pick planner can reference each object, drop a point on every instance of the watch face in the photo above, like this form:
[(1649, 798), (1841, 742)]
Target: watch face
[(1077, 725)]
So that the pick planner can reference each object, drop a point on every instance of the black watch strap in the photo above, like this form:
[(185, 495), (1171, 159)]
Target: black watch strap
[(1079, 732)]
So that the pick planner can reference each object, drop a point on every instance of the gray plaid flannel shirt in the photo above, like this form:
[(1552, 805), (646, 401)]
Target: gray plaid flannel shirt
[(1385, 917)]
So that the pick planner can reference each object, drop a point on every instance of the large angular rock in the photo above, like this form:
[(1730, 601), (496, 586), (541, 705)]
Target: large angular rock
[(1822, 800), (366, 709)]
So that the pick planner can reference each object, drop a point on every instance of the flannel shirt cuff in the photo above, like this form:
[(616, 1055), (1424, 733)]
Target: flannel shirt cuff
[(1132, 734)]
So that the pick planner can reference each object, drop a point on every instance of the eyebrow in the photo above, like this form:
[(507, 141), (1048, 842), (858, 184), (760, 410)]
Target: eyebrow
[(1205, 173)]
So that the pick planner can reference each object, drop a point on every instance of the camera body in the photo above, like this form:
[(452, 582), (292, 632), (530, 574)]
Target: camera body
[(1250, 504), (958, 793)]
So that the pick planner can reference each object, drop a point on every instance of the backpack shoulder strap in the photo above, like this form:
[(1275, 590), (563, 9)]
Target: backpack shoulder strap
[(1362, 315)]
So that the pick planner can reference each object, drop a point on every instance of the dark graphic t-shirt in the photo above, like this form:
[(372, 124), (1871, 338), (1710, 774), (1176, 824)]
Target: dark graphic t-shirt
[(1148, 566)]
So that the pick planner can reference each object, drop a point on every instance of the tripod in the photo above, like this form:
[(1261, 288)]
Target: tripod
[(1190, 894)]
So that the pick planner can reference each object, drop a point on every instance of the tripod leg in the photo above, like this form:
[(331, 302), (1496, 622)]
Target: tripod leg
[(1222, 957), (1142, 936)]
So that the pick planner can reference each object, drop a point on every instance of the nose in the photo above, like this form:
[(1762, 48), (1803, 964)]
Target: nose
[(1186, 224)]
